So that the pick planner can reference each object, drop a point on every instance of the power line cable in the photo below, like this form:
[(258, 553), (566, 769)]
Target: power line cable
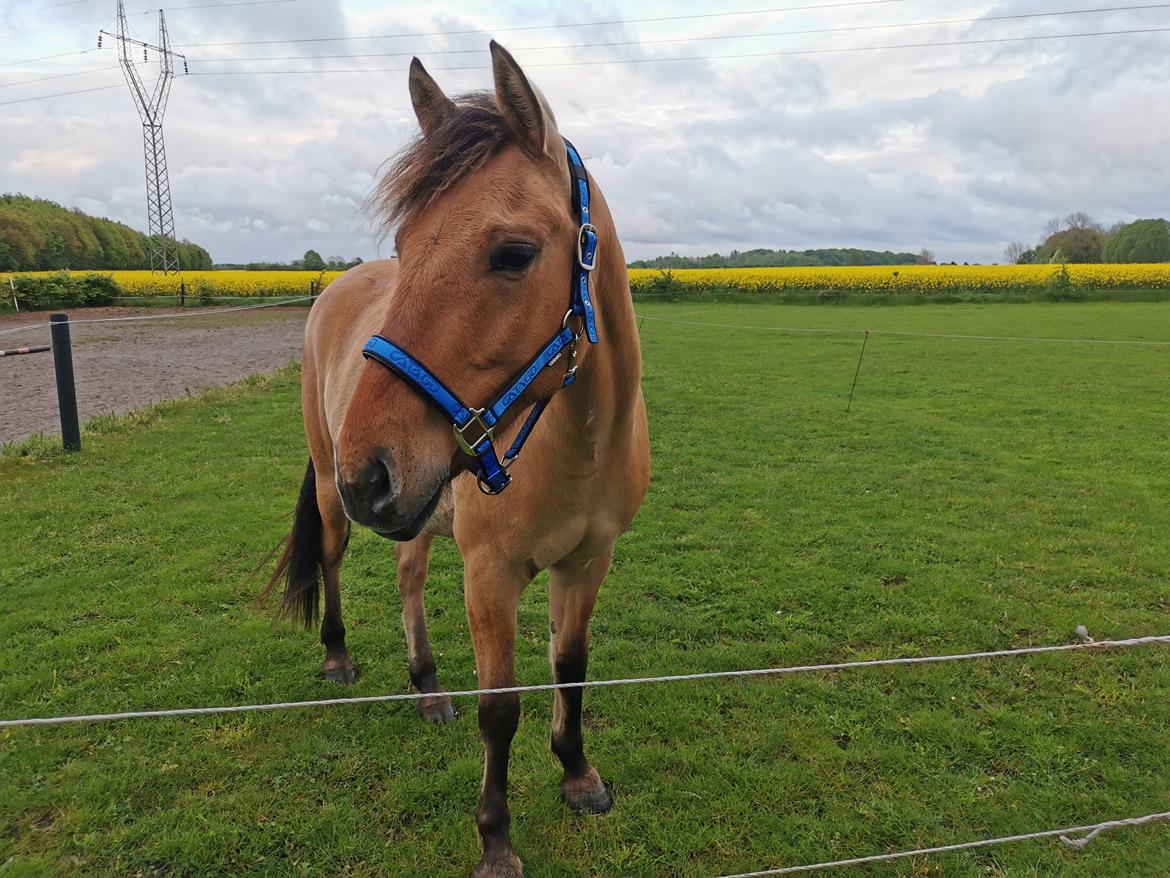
[(47, 57), (42, 8), (56, 76), (807, 32), (668, 40), (499, 30), (93, 21), (472, 31), (788, 53), (778, 54), (226, 5), (62, 94)]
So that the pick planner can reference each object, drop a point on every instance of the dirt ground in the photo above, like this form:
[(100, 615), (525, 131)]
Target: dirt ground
[(125, 366)]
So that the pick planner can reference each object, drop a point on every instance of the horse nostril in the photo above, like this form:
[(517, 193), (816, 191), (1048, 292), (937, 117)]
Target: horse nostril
[(381, 488)]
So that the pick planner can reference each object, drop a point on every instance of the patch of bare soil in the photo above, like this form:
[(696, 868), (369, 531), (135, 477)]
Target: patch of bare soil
[(125, 366)]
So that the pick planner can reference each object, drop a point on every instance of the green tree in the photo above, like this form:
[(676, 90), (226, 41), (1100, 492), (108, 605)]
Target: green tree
[(114, 252), (24, 239), (192, 257), (53, 254), (1075, 245), (313, 261), (1139, 241), (40, 234)]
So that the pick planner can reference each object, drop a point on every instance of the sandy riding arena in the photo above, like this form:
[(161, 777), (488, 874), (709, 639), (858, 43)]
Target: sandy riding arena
[(123, 366)]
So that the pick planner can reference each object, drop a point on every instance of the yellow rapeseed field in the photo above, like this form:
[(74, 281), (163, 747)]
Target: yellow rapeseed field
[(924, 280), (213, 283), (223, 283)]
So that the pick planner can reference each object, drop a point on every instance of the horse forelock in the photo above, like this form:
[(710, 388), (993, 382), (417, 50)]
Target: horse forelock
[(471, 134)]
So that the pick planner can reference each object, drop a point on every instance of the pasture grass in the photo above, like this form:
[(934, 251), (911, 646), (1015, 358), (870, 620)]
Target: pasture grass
[(672, 292), (979, 495)]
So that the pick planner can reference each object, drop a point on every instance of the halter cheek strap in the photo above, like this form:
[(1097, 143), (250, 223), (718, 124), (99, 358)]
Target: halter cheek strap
[(582, 305), (474, 428)]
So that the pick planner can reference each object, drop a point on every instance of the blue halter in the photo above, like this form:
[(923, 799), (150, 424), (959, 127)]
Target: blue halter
[(475, 427)]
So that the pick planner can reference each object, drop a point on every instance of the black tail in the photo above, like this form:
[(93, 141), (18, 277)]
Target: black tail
[(300, 561)]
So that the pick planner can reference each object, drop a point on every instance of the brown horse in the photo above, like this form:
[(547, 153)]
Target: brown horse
[(488, 243)]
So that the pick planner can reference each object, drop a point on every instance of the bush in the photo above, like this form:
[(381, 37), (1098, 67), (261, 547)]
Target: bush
[(63, 290), (1060, 286)]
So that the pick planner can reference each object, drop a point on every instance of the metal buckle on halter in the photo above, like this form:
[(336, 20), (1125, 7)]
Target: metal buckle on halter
[(582, 236), (571, 369), (577, 333), (484, 487), (484, 429)]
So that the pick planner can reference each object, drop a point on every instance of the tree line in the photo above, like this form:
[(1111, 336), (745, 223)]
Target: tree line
[(41, 235), (311, 261), (764, 258), (1078, 238)]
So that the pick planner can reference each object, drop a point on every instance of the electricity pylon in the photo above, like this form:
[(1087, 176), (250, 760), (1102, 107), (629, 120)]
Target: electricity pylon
[(152, 105)]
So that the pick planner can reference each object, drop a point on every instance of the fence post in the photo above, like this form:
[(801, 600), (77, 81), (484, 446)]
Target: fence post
[(12, 286), (66, 390), (182, 294)]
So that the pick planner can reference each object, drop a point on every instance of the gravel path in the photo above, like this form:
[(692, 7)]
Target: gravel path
[(121, 367)]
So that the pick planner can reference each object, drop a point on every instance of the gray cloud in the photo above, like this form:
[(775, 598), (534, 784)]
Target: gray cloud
[(960, 148)]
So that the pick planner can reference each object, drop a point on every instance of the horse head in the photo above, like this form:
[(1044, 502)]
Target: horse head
[(488, 240)]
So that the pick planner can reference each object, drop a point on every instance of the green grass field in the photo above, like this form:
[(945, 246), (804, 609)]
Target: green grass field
[(980, 495)]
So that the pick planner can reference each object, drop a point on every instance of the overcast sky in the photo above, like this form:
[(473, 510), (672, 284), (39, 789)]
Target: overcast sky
[(957, 148)]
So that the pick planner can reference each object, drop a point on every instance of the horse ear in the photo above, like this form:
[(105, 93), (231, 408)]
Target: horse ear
[(431, 106), (524, 108)]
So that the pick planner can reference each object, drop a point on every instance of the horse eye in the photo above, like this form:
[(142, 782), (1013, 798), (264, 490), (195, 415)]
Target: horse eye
[(513, 257)]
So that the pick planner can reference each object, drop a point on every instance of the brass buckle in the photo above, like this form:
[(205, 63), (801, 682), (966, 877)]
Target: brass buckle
[(484, 430)]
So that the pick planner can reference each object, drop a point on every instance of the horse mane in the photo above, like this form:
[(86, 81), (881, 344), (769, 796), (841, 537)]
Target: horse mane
[(471, 133)]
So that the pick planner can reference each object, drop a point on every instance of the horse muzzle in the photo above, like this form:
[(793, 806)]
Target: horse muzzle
[(372, 495)]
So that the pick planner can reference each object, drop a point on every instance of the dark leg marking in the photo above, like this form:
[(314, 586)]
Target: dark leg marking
[(499, 717), (338, 666), (572, 597)]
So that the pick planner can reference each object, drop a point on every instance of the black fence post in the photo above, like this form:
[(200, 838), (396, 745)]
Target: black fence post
[(66, 390), (182, 294)]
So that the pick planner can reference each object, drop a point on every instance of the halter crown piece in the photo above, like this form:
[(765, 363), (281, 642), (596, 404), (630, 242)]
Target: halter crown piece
[(474, 427)]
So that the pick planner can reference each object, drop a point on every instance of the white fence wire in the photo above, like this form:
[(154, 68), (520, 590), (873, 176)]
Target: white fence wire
[(1086, 643), (210, 312), (1087, 832), (1093, 830)]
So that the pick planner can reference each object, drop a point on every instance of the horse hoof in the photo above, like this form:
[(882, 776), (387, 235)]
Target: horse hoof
[(586, 798), (341, 671), (505, 865), (437, 710)]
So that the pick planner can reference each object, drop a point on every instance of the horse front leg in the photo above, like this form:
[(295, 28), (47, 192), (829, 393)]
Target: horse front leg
[(413, 562), (572, 597), (492, 596), (338, 666)]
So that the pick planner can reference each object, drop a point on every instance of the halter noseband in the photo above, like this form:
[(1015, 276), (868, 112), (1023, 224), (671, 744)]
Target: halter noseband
[(474, 427)]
